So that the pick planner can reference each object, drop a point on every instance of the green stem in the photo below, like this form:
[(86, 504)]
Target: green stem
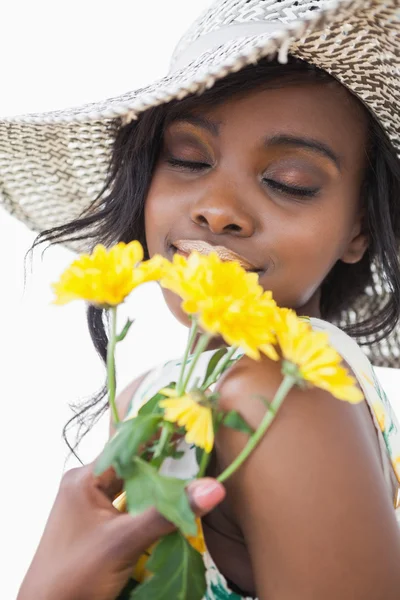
[(286, 385), (203, 464), (220, 367), (164, 439), (200, 347), (111, 364), (191, 338), (166, 434)]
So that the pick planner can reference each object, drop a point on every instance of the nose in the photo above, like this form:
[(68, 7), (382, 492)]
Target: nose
[(223, 216)]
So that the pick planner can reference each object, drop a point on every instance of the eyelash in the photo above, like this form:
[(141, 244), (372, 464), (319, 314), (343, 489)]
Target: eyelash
[(300, 192), (275, 185), (187, 164)]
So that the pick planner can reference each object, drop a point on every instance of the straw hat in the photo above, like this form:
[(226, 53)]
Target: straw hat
[(53, 165)]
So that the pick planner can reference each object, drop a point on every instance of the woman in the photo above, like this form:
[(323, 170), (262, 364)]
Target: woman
[(281, 166)]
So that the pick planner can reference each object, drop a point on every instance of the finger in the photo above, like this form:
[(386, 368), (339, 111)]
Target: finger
[(205, 494), (133, 535), (109, 483)]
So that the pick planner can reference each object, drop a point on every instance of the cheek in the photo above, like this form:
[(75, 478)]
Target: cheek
[(305, 250), (151, 226), (167, 205), (157, 212), (319, 235)]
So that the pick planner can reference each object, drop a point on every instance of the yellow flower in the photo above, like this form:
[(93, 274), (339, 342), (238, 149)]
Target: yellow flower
[(317, 362), (106, 277), (194, 417), (227, 300), (396, 465), (198, 278), (197, 541), (153, 269), (140, 573)]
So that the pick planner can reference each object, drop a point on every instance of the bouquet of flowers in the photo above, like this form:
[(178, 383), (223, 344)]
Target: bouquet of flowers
[(222, 300)]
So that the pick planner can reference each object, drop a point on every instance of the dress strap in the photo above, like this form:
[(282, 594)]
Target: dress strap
[(382, 413)]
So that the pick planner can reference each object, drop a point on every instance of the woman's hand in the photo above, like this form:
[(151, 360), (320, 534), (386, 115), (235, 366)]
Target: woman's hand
[(88, 548)]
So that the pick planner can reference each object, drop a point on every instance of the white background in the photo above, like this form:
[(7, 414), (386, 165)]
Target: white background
[(56, 55)]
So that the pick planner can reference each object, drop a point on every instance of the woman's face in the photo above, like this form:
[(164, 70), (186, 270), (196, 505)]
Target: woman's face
[(274, 177)]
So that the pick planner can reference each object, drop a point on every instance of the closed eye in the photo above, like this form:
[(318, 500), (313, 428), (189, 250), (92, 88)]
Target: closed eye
[(187, 165), (193, 166), (288, 190)]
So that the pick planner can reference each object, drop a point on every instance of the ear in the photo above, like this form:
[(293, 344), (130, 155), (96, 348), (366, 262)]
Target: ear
[(357, 245)]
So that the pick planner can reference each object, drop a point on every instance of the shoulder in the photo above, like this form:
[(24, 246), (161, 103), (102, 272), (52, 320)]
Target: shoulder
[(125, 397), (311, 422), (315, 476)]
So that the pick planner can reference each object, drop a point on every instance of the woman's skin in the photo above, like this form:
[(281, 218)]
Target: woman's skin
[(309, 515), (88, 548)]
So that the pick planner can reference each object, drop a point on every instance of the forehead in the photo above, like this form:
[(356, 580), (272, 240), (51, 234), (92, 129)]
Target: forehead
[(325, 112)]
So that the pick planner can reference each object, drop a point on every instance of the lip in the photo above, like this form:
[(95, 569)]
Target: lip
[(185, 247)]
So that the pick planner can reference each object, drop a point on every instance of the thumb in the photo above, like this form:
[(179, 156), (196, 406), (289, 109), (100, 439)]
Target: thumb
[(133, 535), (205, 494)]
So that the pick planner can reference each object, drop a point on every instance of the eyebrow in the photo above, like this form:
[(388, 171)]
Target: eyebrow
[(209, 125), (213, 127), (300, 142)]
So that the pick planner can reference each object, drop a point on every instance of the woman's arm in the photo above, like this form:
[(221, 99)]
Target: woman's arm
[(311, 500)]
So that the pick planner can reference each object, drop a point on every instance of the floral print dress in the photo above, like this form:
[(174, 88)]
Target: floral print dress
[(382, 414)]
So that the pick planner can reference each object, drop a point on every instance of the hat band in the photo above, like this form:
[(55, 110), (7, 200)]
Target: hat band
[(225, 34)]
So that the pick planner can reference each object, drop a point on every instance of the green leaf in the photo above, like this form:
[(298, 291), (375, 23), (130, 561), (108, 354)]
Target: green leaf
[(146, 487), (214, 360), (179, 572), (233, 420), (266, 403), (125, 330), (176, 454), (122, 447), (169, 452), (151, 406), (199, 454), (218, 418)]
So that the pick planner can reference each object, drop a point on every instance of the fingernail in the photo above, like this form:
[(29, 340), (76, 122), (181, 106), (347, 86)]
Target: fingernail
[(207, 492)]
